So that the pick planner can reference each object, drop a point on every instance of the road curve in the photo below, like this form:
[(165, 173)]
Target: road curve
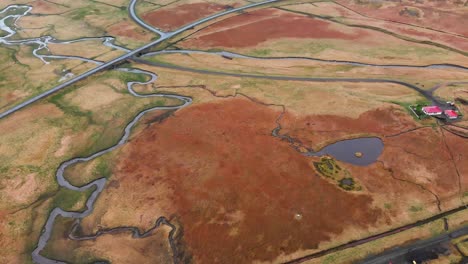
[(119, 60), (229, 54), (424, 93), (136, 18)]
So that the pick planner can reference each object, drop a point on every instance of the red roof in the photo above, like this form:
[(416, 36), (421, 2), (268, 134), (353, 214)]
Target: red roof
[(432, 109), (451, 113)]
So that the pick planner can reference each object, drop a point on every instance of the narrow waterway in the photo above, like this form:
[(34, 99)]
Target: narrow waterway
[(99, 183), (15, 12), (344, 150)]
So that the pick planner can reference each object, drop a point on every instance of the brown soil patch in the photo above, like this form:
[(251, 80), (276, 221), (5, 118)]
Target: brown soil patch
[(233, 187), (22, 188), (258, 26), (129, 30), (175, 17)]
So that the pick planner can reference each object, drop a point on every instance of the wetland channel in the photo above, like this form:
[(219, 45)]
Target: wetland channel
[(345, 150)]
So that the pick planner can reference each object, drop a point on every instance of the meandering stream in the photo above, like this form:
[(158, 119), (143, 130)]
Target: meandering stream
[(342, 150), (99, 183), (41, 43)]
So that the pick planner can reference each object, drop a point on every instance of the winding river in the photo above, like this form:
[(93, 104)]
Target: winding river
[(99, 183), (343, 150), (41, 43)]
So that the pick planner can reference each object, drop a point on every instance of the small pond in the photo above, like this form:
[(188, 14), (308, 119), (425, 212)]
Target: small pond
[(369, 149)]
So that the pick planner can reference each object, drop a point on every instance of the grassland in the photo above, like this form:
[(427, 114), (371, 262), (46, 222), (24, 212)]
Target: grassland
[(425, 78), (92, 108), (84, 19), (375, 247), (333, 40), (214, 167), (408, 30), (394, 193), (28, 76), (344, 99), (23, 75), (33, 145), (116, 248)]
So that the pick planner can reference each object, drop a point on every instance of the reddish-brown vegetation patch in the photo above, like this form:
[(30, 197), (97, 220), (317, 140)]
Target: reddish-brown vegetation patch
[(234, 187), (439, 15), (326, 128), (252, 28), (458, 147), (413, 30), (420, 156), (175, 17), (129, 30)]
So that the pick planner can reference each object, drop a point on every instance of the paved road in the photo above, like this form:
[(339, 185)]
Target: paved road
[(134, 16), (123, 58), (228, 54), (425, 93), (365, 240), (400, 254), (164, 36)]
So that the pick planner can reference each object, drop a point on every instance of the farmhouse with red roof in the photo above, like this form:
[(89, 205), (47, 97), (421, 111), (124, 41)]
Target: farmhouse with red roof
[(451, 114), (432, 110)]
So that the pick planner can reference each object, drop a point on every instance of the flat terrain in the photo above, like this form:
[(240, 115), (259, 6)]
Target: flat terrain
[(218, 181), (175, 16), (404, 22), (33, 145), (223, 170), (182, 180), (421, 13), (426, 78), (274, 32), (28, 76), (83, 19)]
